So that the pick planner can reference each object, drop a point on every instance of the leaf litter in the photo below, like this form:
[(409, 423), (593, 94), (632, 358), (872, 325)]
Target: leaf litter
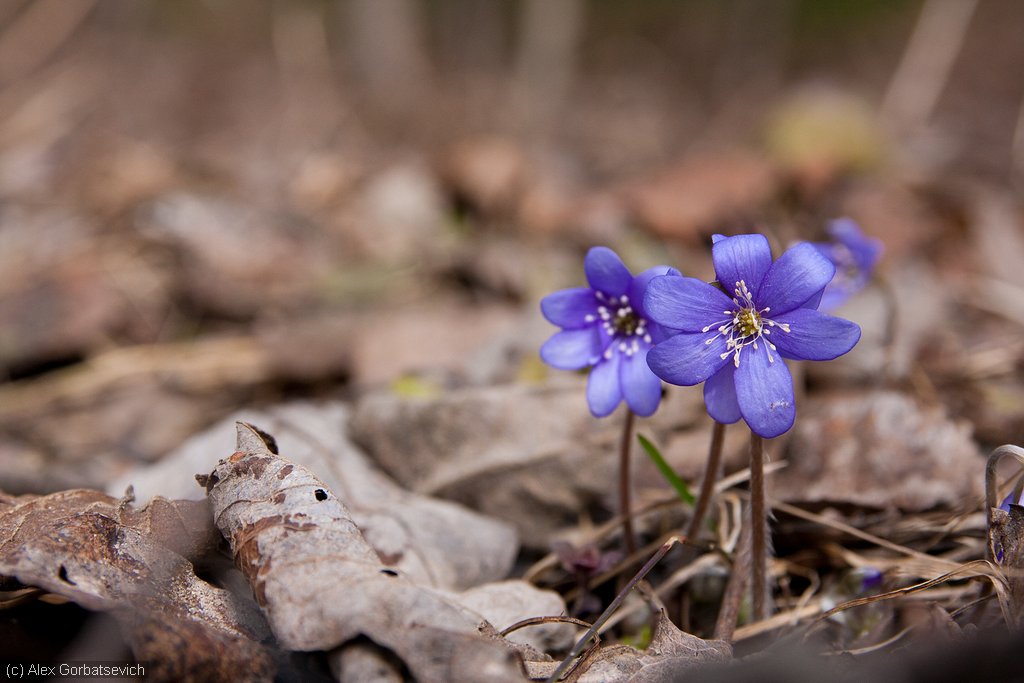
[(164, 263)]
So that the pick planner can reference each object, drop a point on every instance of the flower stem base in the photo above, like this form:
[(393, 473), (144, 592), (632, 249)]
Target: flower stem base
[(625, 485), (758, 529)]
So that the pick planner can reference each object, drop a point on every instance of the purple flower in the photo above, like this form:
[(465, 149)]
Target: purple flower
[(854, 256), (605, 327), (735, 344), (1008, 501)]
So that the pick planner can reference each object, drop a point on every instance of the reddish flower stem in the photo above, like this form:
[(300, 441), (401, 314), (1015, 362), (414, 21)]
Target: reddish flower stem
[(758, 526), (625, 485), (729, 611), (707, 486)]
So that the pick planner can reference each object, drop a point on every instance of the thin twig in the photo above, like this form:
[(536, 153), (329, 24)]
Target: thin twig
[(37, 33), (857, 533), (551, 561), (677, 579), (777, 621), (648, 566), (707, 486), (875, 647), (625, 485), (534, 621), (981, 568), (758, 524)]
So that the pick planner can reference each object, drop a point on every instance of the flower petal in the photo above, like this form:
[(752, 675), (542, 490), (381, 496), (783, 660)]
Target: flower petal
[(799, 274), (606, 272), (604, 391), (572, 349), (764, 391), (638, 287), (743, 257), (833, 296), (866, 250), (569, 308), (720, 396), (815, 301), (659, 333), (813, 335), (686, 303), (686, 359), (640, 386)]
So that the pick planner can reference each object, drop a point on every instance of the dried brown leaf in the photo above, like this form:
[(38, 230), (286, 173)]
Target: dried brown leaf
[(702, 190), (533, 456), (879, 448), (86, 546)]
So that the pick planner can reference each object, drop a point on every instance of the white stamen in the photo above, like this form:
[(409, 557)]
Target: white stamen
[(625, 328)]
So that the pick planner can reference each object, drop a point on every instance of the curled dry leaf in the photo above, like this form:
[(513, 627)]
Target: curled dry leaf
[(105, 555), (182, 526), (433, 542), (321, 584)]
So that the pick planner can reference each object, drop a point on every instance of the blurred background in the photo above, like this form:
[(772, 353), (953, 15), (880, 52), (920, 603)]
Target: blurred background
[(207, 204)]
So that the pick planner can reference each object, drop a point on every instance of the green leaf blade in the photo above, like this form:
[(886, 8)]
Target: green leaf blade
[(682, 490)]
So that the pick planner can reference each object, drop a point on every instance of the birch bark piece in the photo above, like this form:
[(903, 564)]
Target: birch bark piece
[(321, 584)]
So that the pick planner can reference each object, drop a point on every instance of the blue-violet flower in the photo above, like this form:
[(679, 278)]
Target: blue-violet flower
[(735, 342), (854, 255), (1008, 501), (605, 327)]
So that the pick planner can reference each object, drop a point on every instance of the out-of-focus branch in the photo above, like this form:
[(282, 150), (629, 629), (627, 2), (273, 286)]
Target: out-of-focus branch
[(927, 61), (546, 55), (40, 29), (387, 48)]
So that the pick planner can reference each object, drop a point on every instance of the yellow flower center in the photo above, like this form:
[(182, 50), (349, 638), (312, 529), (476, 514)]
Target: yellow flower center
[(745, 326), (747, 323)]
